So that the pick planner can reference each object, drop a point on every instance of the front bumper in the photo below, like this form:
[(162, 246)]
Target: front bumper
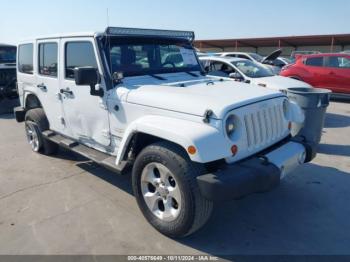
[(256, 174), (19, 113)]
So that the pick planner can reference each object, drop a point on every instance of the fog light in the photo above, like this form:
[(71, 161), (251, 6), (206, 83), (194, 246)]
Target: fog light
[(191, 150), (234, 150)]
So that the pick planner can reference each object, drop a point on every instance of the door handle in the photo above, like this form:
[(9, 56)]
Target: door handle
[(332, 73), (66, 91), (42, 87)]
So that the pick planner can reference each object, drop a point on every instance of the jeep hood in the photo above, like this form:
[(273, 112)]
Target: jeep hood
[(195, 97)]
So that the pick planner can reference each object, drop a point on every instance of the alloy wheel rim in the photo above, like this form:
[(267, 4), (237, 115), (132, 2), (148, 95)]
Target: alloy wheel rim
[(161, 192), (32, 137)]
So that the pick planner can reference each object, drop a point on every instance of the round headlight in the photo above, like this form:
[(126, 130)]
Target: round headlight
[(286, 108), (231, 125)]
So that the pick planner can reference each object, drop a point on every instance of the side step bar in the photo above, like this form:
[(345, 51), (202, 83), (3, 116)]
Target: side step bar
[(100, 158)]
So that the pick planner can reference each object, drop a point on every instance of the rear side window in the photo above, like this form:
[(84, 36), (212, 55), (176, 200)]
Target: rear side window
[(338, 62), (243, 56), (48, 59), (25, 58), (78, 54), (314, 61), (344, 62)]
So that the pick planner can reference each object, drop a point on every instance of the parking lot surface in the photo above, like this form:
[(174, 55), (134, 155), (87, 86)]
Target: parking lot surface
[(68, 205)]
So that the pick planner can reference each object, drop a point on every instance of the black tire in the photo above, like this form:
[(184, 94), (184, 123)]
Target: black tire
[(195, 209), (36, 118)]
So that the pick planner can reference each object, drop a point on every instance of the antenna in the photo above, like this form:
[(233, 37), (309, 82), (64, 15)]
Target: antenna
[(107, 17)]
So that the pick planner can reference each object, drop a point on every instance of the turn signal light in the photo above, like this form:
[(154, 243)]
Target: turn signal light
[(234, 150), (191, 150), (289, 125)]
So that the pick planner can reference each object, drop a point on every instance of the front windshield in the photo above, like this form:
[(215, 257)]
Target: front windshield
[(252, 69), (7, 54), (256, 57), (146, 56)]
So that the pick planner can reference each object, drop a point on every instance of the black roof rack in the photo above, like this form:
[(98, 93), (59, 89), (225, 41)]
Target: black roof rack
[(123, 31)]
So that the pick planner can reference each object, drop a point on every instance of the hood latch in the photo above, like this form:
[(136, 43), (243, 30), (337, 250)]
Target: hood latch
[(207, 114)]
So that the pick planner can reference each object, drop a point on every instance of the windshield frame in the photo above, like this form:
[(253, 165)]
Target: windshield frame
[(110, 41), (256, 57), (8, 48)]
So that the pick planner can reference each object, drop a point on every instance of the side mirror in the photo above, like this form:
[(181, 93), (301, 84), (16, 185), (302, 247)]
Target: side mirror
[(88, 76), (118, 77), (237, 76)]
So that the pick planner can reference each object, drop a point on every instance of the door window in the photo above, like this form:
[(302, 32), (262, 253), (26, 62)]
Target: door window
[(344, 62), (244, 57), (314, 61), (25, 58), (338, 62), (48, 59), (78, 54)]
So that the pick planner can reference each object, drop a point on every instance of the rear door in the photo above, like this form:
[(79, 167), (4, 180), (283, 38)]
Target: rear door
[(339, 73), (47, 81), (85, 116)]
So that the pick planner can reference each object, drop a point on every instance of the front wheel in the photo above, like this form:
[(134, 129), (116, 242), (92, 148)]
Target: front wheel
[(166, 190)]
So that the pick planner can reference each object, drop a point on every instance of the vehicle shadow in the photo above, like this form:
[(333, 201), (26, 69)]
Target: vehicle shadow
[(336, 121), (330, 149), (304, 215), (122, 182), (6, 116), (66, 154)]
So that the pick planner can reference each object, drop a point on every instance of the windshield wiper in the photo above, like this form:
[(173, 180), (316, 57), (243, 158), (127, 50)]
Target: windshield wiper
[(157, 77), (192, 74)]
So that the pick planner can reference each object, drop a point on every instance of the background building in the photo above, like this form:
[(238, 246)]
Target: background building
[(264, 46)]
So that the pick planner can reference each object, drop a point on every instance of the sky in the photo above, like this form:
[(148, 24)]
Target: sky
[(21, 19)]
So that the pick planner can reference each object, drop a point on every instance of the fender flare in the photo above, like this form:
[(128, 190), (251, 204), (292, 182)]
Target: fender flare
[(26, 95), (209, 141)]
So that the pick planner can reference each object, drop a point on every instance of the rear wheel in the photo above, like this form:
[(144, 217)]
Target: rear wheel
[(36, 123), (166, 190)]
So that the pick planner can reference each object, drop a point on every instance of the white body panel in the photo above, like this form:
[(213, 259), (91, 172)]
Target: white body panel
[(171, 109), (197, 95)]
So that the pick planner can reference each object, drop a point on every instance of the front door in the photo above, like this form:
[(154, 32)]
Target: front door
[(85, 116)]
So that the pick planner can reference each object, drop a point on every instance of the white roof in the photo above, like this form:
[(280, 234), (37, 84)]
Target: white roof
[(226, 59), (233, 53), (62, 35)]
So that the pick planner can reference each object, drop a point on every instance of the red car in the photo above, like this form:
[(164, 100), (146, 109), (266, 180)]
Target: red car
[(331, 71)]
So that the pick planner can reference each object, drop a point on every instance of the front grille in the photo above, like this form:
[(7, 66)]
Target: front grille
[(264, 126), (7, 76)]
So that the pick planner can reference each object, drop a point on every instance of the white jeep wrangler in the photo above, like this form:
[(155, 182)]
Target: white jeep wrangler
[(139, 98)]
